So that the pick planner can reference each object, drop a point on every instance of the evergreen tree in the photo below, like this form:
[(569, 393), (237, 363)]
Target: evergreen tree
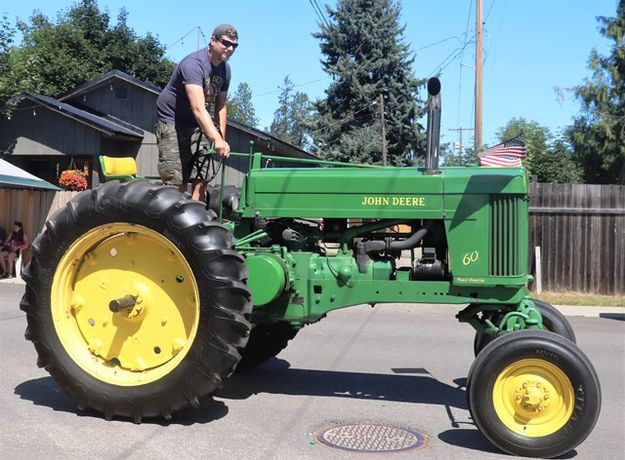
[(301, 116), (240, 106), (597, 134), (364, 53), (291, 119), (57, 56), (280, 124)]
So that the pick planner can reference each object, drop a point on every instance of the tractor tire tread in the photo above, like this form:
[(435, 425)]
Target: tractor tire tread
[(223, 328)]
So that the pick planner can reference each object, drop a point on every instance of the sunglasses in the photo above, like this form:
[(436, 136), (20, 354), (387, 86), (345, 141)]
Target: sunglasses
[(228, 43)]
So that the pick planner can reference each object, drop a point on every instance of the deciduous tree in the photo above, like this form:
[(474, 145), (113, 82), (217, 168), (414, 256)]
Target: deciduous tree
[(55, 56), (548, 158)]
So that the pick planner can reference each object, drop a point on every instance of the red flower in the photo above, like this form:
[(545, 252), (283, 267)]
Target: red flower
[(73, 179)]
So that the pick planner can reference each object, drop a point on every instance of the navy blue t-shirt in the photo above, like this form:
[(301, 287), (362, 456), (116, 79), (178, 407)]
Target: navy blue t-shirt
[(195, 69)]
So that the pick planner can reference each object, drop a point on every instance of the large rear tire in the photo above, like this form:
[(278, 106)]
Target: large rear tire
[(266, 341), (136, 301), (534, 394)]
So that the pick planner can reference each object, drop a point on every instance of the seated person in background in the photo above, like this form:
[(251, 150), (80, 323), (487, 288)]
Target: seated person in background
[(16, 241)]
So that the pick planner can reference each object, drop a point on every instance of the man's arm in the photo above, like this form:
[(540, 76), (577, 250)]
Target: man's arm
[(221, 108), (195, 94)]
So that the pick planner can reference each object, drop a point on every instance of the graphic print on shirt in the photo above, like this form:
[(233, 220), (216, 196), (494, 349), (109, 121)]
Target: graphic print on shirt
[(213, 86)]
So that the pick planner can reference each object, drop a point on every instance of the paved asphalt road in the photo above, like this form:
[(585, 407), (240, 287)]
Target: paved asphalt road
[(403, 365)]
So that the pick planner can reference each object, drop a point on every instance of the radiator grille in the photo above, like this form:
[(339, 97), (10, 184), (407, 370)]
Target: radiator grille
[(506, 235)]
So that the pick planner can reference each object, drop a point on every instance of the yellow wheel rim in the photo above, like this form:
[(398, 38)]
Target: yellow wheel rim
[(137, 344), (533, 397)]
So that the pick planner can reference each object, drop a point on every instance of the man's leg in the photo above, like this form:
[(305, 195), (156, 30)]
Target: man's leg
[(199, 190), (197, 143), (2, 263), (169, 165), (11, 258)]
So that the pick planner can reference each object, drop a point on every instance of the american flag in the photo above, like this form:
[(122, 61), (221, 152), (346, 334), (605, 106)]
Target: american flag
[(508, 153)]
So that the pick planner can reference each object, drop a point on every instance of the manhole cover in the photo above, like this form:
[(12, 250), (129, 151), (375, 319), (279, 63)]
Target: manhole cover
[(370, 437)]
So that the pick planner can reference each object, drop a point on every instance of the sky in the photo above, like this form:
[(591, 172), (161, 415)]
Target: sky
[(534, 50)]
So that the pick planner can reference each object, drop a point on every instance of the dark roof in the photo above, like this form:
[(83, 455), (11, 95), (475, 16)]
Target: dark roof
[(113, 126), (107, 125), (282, 148), (104, 78)]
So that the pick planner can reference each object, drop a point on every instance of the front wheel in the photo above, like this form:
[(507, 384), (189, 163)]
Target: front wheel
[(534, 394), (135, 300)]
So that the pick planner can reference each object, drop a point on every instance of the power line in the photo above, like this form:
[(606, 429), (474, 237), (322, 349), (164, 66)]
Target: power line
[(461, 59), (319, 12), (489, 10), (442, 41), (349, 118), (185, 36), (451, 57), (203, 36), (294, 86), (486, 22), (469, 16)]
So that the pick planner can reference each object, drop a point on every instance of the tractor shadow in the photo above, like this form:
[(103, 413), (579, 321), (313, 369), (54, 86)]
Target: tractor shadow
[(413, 385), (474, 440), (42, 392), (615, 316)]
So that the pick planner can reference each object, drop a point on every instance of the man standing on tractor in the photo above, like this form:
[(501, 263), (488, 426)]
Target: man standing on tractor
[(201, 77)]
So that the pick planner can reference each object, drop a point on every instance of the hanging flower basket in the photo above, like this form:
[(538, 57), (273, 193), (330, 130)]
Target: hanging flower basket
[(73, 179)]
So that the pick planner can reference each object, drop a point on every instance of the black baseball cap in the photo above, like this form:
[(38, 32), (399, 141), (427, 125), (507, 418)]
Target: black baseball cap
[(225, 29)]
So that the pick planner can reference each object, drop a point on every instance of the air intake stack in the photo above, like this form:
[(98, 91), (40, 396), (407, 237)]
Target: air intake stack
[(434, 126)]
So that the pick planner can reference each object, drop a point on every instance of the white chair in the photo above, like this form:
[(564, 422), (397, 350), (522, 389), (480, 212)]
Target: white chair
[(18, 266)]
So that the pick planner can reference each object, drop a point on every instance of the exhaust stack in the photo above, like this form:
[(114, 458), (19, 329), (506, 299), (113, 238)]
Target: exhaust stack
[(434, 126)]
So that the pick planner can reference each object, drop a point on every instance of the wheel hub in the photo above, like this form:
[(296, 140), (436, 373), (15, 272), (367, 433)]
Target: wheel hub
[(532, 395), (131, 314)]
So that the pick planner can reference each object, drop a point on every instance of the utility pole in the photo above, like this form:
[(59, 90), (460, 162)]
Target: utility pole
[(383, 123), (478, 76), (460, 130), (198, 37)]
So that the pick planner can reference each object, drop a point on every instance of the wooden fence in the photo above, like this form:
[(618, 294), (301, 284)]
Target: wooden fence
[(579, 228), (32, 208)]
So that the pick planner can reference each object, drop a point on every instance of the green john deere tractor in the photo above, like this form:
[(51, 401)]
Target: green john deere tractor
[(140, 301)]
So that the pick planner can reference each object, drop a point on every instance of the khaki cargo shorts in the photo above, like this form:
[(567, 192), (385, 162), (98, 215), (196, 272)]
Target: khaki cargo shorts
[(176, 146)]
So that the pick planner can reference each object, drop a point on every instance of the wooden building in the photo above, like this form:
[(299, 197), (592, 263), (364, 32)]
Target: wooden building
[(112, 115)]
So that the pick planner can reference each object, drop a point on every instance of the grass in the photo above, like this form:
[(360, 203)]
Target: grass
[(580, 298)]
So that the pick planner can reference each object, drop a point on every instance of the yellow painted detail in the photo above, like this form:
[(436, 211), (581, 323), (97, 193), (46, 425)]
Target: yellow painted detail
[(112, 166), (135, 345), (405, 201), (533, 397), (470, 257)]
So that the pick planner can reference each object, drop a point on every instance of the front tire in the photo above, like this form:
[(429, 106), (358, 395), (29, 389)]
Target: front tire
[(534, 394), (180, 336)]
